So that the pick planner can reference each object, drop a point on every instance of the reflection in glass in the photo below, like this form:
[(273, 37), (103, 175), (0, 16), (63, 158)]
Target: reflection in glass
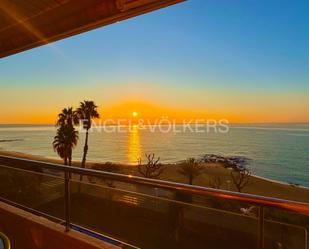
[(4, 242)]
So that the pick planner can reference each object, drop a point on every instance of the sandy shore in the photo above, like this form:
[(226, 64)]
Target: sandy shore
[(257, 185)]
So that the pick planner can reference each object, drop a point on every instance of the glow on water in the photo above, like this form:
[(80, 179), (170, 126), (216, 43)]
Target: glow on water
[(278, 152)]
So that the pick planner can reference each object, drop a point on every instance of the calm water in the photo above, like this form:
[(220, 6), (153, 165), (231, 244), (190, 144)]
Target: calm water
[(279, 152)]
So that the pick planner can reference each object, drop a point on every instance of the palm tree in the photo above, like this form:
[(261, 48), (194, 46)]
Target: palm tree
[(66, 137), (86, 112), (64, 142), (67, 117), (191, 169)]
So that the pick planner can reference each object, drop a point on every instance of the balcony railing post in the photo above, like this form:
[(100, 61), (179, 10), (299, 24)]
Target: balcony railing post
[(67, 200), (261, 227)]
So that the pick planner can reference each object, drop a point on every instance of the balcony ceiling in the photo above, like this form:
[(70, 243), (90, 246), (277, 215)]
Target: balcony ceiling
[(25, 24)]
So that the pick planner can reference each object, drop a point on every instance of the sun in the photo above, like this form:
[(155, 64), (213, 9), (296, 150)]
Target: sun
[(134, 114)]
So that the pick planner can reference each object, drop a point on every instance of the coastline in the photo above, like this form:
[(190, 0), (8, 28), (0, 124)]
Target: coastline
[(258, 185), (281, 182)]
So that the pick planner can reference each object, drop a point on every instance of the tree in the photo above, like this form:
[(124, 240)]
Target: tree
[(64, 142), (68, 117), (86, 112), (152, 169), (66, 137), (191, 169), (241, 178)]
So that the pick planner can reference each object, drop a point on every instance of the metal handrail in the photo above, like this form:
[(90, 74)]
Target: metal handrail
[(260, 201), (299, 207)]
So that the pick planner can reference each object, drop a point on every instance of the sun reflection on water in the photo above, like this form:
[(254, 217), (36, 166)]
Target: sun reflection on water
[(134, 146)]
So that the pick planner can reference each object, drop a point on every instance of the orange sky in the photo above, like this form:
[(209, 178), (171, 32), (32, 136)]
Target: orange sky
[(41, 105), (151, 112)]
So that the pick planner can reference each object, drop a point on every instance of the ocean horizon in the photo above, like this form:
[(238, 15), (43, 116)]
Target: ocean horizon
[(274, 151)]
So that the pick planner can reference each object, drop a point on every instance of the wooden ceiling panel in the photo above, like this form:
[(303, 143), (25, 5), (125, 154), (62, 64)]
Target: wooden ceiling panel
[(28, 24)]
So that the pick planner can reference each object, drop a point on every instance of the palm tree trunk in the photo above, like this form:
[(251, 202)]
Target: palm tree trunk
[(191, 180), (84, 154), (70, 162), (70, 158)]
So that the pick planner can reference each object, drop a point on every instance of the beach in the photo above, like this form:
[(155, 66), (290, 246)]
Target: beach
[(257, 185)]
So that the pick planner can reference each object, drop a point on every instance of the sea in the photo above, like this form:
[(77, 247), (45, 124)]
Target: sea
[(275, 151)]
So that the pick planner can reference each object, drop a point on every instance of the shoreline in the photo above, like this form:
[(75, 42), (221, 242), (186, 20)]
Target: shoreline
[(257, 185), (92, 162), (281, 182)]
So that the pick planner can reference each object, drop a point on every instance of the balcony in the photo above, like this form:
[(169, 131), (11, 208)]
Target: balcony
[(134, 212)]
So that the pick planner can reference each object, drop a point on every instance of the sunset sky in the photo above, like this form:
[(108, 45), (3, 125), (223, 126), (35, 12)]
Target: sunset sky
[(246, 61)]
